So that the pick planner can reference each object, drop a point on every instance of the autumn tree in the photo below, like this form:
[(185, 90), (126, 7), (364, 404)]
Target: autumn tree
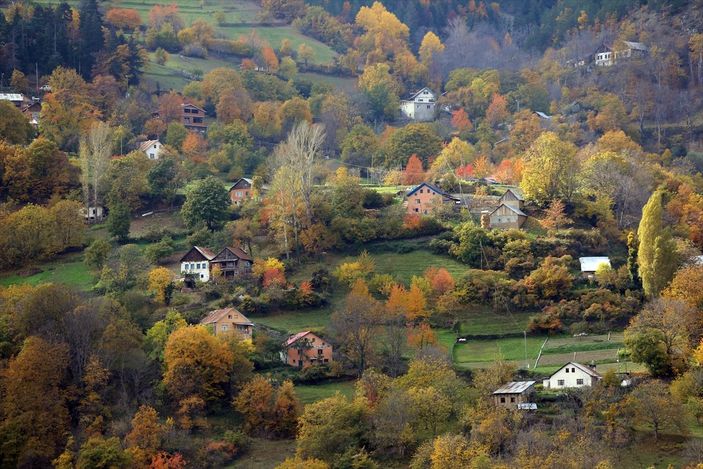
[(653, 406), (95, 152), (413, 173), (144, 439), (656, 255), (550, 169), (305, 53), (555, 216), (268, 411), (353, 326), (197, 364), (161, 283), (685, 286), (418, 139), (461, 121), (34, 405), (14, 126), (497, 111), (662, 335), (123, 18), (118, 219)]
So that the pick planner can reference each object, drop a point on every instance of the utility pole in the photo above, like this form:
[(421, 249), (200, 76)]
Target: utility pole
[(524, 335)]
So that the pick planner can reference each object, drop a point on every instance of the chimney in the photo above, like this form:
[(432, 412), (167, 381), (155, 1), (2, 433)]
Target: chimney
[(592, 365)]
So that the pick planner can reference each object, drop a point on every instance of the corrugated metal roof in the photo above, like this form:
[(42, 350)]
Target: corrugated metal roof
[(11, 97), (514, 387), (591, 264)]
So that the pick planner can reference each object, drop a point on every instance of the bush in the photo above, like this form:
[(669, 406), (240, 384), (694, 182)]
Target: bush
[(195, 50), (313, 374), (156, 253)]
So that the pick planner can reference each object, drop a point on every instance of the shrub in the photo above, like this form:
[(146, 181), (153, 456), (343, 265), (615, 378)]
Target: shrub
[(195, 50)]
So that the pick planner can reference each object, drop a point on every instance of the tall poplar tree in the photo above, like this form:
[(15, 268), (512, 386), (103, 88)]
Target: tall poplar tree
[(657, 253)]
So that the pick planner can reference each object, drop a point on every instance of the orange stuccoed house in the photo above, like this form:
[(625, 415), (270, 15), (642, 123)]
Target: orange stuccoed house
[(305, 349), (425, 198)]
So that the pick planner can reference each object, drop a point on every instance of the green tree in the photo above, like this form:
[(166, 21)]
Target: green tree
[(657, 254), (414, 139), (207, 203), (14, 127), (381, 91), (118, 219), (176, 134), (653, 406), (103, 453), (157, 336), (632, 264), (551, 169), (330, 427), (97, 253)]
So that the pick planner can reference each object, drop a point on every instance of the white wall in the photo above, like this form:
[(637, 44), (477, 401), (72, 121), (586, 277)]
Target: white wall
[(570, 378), (201, 270)]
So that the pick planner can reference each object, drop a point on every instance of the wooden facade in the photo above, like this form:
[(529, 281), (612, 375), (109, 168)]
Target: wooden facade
[(193, 118), (232, 262), (507, 217), (241, 191)]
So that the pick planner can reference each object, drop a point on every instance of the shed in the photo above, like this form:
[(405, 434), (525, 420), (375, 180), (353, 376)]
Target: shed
[(514, 393)]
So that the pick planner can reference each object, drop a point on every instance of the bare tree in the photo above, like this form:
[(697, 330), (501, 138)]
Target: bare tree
[(95, 150), (299, 154)]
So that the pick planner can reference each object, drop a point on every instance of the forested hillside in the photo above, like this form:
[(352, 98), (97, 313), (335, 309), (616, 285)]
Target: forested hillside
[(330, 234)]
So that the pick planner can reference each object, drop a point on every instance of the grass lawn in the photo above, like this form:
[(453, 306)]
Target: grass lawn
[(404, 266), (480, 353), (296, 321), (309, 393), (68, 270), (322, 53), (265, 454), (489, 322)]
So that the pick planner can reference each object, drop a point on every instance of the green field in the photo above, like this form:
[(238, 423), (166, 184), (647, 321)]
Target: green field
[(295, 321), (309, 393), (481, 353), (491, 323), (68, 270)]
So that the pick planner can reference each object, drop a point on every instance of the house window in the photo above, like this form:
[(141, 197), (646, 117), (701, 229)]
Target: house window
[(417, 201), (560, 382), (319, 351), (573, 370), (428, 106), (202, 276), (239, 193), (197, 266), (567, 370), (421, 191), (502, 400), (325, 360), (579, 381), (512, 399), (223, 327), (417, 210)]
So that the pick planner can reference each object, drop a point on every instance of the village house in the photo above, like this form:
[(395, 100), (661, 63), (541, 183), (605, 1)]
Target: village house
[(93, 214), (420, 106), (425, 198), (572, 375), (232, 262), (199, 263), (241, 190), (193, 117), (305, 349), (17, 99), (196, 263), (228, 321), (589, 265), (509, 212), (513, 395), (606, 56), (152, 149)]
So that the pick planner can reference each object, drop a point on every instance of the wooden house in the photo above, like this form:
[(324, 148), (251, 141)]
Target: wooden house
[(193, 117), (425, 198), (573, 375), (228, 321), (241, 191), (513, 394), (232, 262), (507, 217), (420, 106), (513, 197), (305, 349)]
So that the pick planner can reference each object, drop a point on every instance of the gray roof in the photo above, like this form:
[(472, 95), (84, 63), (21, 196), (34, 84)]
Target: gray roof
[(516, 192), (586, 369), (636, 45), (514, 387), (516, 210), (591, 264), (11, 97)]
